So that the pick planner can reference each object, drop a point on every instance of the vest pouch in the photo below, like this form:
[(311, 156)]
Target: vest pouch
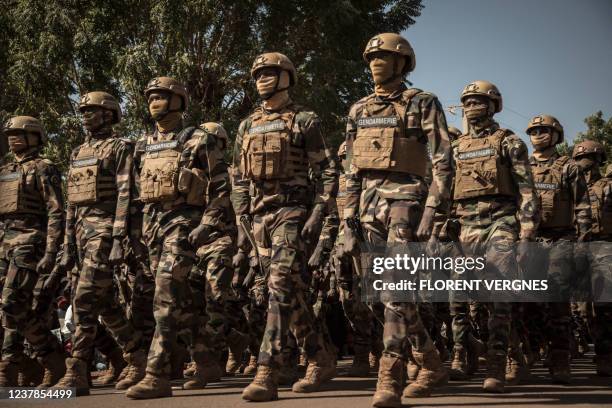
[(184, 180), (159, 178), (10, 187), (372, 148), (82, 177), (409, 156), (276, 149), (254, 157)]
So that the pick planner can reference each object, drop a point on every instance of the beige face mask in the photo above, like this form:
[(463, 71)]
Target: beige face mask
[(268, 84), (386, 67)]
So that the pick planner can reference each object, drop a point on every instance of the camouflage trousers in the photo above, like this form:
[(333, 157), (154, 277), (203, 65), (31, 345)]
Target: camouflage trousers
[(21, 318), (394, 222), (496, 239), (256, 313), (142, 288), (277, 233), (96, 294), (171, 258)]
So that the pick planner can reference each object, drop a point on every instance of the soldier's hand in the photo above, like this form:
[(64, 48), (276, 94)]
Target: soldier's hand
[(46, 263), (350, 245), (116, 254), (242, 241), (50, 284), (68, 257), (426, 224), (319, 255), (238, 259), (200, 235), (312, 228)]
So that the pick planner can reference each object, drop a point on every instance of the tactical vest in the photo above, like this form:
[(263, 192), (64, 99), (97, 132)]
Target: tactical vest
[(273, 149), (341, 197), (601, 215), (88, 182), (17, 196), (481, 170), (390, 138), (165, 177), (555, 200)]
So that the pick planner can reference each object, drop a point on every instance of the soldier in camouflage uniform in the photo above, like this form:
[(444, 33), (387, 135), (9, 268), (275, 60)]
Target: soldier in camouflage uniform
[(590, 155), (565, 219), (275, 148), (99, 183), (184, 185), (495, 200), (387, 138), (32, 217)]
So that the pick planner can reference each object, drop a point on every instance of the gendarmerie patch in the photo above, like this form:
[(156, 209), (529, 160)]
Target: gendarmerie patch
[(377, 121), (474, 154), (546, 186), (90, 161), (10, 176), (268, 127), (156, 147)]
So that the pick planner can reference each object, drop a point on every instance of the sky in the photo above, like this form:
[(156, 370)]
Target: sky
[(545, 56)]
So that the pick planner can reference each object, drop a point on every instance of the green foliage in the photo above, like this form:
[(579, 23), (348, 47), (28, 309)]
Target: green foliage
[(52, 51), (600, 130)]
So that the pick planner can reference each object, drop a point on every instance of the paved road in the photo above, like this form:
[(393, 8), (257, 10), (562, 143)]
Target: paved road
[(587, 390)]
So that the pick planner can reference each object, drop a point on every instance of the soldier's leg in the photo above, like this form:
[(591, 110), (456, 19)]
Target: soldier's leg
[(601, 266), (143, 290)]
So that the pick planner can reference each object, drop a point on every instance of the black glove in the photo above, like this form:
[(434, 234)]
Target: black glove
[(116, 253), (68, 257), (46, 263), (312, 228), (320, 254), (426, 224), (200, 235)]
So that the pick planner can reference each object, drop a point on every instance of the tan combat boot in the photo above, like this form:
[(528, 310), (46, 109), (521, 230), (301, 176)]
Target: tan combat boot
[(30, 373), (237, 342), (150, 386), (9, 373), (604, 365), (264, 386), (55, 368), (431, 374), (232, 367), (251, 368), (320, 370), (475, 350), (75, 377), (412, 368), (116, 363), (190, 370), (373, 360), (361, 363), (559, 368), (496, 372), (459, 365), (197, 380), (137, 365), (517, 370), (390, 383), (212, 371), (123, 373)]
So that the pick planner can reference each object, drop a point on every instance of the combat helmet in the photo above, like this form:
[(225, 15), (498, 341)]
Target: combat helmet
[(275, 60), (546, 121), (27, 124), (102, 100), (392, 42), (215, 129), (588, 147), (169, 85), (484, 88)]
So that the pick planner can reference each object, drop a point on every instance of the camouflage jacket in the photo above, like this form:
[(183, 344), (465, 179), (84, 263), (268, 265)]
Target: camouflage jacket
[(117, 162), (364, 185), (600, 192), (525, 207), (42, 180), (573, 182), (203, 151), (252, 196)]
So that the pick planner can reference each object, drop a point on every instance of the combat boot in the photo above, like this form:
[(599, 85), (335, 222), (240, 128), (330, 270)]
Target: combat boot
[(264, 386), (177, 361), (559, 368), (191, 367), (116, 363), (212, 371), (517, 370), (237, 342), (604, 365), (251, 368), (496, 372), (302, 362), (390, 383), (459, 365), (320, 370), (361, 364), (232, 367), (150, 386), (55, 368), (30, 373), (123, 373), (288, 374), (475, 349), (75, 377), (431, 374), (412, 368), (9, 373), (197, 380), (137, 365), (373, 360)]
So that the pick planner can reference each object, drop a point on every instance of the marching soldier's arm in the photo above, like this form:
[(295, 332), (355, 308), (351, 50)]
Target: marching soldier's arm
[(582, 203), (219, 187), (353, 177), (240, 185), (515, 151), (50, 185), (123, 180), (322, 161)]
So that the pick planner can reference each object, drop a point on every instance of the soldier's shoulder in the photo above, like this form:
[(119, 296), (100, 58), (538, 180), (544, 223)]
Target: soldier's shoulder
[(46, 167), (515, 145), (420, 95), (304, 114)]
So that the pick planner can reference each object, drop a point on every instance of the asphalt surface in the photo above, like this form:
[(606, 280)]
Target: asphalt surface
[(587, 390)]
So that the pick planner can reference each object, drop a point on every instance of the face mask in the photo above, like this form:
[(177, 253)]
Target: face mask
[(382, 69), (158, 108), (17, 143), (542, 141), (476, 111), (585, 163), (266, 85)]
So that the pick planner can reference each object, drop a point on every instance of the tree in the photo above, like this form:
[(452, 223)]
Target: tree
[(598, 129), (52, 51)]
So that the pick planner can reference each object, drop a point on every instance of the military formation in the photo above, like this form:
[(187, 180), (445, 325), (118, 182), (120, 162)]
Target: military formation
[(172, 255)]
